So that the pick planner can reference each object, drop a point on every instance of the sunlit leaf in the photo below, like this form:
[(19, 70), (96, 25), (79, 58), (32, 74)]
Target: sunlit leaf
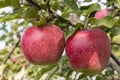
[(5, 3), (68, 74), (118, 1), (87, 0), (11, 16), (15, 3), (30, 12), (72, 4), (51, 73), (92, 8), (107, 21)]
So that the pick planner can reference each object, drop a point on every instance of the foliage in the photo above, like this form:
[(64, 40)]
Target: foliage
[(72, 15)]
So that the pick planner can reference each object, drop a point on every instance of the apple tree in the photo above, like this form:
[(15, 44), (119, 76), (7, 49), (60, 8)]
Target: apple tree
[(59, 39)]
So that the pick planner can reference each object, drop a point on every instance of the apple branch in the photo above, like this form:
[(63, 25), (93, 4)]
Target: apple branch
[(55, 15), (85, 22), (113, 56), (51, 11), (48, 5), (9, 54), (115, 59), (113, 43), (34, 4), (114, 63)]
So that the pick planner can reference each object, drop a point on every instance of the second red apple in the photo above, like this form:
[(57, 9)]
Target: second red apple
[(88, 51)]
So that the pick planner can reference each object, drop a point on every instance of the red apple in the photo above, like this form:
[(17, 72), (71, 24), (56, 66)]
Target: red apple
[(88, 51), (43, 45), (102, 13)]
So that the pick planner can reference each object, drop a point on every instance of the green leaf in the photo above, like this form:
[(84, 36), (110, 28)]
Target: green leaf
[(44, 70), (8, 17), (82, 76), (2, 37), (5, 3), (92, 8), (15, 3), (118, 1), (30, 13), (73, 5), (92, 22), (118, 23), (51, 73), (87, 0), (11, 16), (68, 74), (79, 25), (61, 22), (2, 68), (107, 21), (84, 9)]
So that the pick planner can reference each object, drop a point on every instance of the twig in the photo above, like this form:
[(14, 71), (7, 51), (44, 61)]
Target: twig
[(54, 14), (51, 11), (115, 43), (58, 16), (34, 4), (114, 65), (48, 5), (115, 59), (9, 54), (85, 22)]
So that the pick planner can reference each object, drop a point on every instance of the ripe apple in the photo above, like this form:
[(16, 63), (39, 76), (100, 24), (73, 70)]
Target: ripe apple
[(88, 51), (102, 13), (43, 45)]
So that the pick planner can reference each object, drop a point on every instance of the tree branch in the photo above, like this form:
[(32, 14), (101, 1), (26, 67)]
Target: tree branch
[(34, 4), (51, 11), (114, 65), (48, 5), (113, 43), (55, 15), (115, 59), (9, 54)]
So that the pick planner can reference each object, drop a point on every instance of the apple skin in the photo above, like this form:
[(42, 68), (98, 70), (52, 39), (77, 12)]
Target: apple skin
[(88, 51), (43, 45), (102, 13)]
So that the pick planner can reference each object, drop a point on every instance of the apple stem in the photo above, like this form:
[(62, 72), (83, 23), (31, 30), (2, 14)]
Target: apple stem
[(9, 54), (85, 22)]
